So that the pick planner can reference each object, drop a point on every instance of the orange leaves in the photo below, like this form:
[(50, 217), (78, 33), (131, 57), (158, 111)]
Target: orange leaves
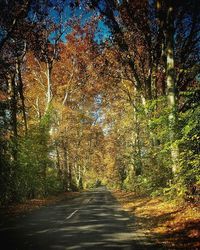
[(75, 83), (175, 226), (3, 96), (194, 233), (29, 205)]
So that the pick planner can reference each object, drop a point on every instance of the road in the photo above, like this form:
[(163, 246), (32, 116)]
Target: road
[(93, 220)]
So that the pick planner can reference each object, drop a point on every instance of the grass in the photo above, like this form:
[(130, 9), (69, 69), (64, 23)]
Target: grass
[(176, 226)]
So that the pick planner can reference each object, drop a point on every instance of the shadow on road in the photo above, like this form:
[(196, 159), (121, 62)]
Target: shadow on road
[(92, 221)]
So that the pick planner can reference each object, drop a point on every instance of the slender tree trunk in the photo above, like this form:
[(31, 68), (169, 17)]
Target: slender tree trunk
[(65, 170), (37, 108), (21, 93), (80, 180), (14, 105), (69, 175), (78, 173), (58, 162), (136, 139), (139, 165), (161, 22), (49, 84), (148, 87), (13, 111), (171, 87), (12, 91)]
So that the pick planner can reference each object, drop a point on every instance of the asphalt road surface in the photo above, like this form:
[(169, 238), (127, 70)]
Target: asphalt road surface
[(93, 220)]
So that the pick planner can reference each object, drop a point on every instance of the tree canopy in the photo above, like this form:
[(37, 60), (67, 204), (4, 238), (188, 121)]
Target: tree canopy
[(99, 91)]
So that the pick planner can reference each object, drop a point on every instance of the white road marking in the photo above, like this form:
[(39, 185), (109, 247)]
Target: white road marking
[(89, 200), (85, 202), (71, 214)]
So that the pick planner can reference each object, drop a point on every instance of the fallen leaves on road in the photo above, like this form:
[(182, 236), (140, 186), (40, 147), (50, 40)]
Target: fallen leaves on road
[(176, 226), (29, 205)]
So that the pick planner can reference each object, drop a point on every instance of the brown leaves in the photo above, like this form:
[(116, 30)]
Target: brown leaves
[(175, 226), (29, 205)]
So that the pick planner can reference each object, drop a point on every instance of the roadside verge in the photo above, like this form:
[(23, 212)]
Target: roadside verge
[(175, 226), (32, 204)]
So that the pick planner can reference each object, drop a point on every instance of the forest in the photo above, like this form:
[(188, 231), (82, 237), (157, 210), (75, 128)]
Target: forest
[(99, 91)]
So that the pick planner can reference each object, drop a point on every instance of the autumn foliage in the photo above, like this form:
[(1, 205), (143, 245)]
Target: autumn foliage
[(99, 91)]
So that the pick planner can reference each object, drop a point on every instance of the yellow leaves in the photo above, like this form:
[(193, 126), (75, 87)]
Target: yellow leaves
[(127, 84)]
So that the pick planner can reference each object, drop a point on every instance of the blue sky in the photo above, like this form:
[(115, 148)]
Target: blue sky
[(83, 15)]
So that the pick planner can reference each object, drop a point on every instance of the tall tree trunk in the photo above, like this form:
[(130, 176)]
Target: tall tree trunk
[(78, 175), (21, 93), (12, 91), (13, 109), (171, 85), (14, 105), (148, 87), (69, 175), (136, 138), (161, 22), (65, 165), (49, 84), (58, 162)]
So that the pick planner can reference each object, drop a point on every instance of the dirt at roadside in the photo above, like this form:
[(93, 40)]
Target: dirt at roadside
[(172, 225)]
